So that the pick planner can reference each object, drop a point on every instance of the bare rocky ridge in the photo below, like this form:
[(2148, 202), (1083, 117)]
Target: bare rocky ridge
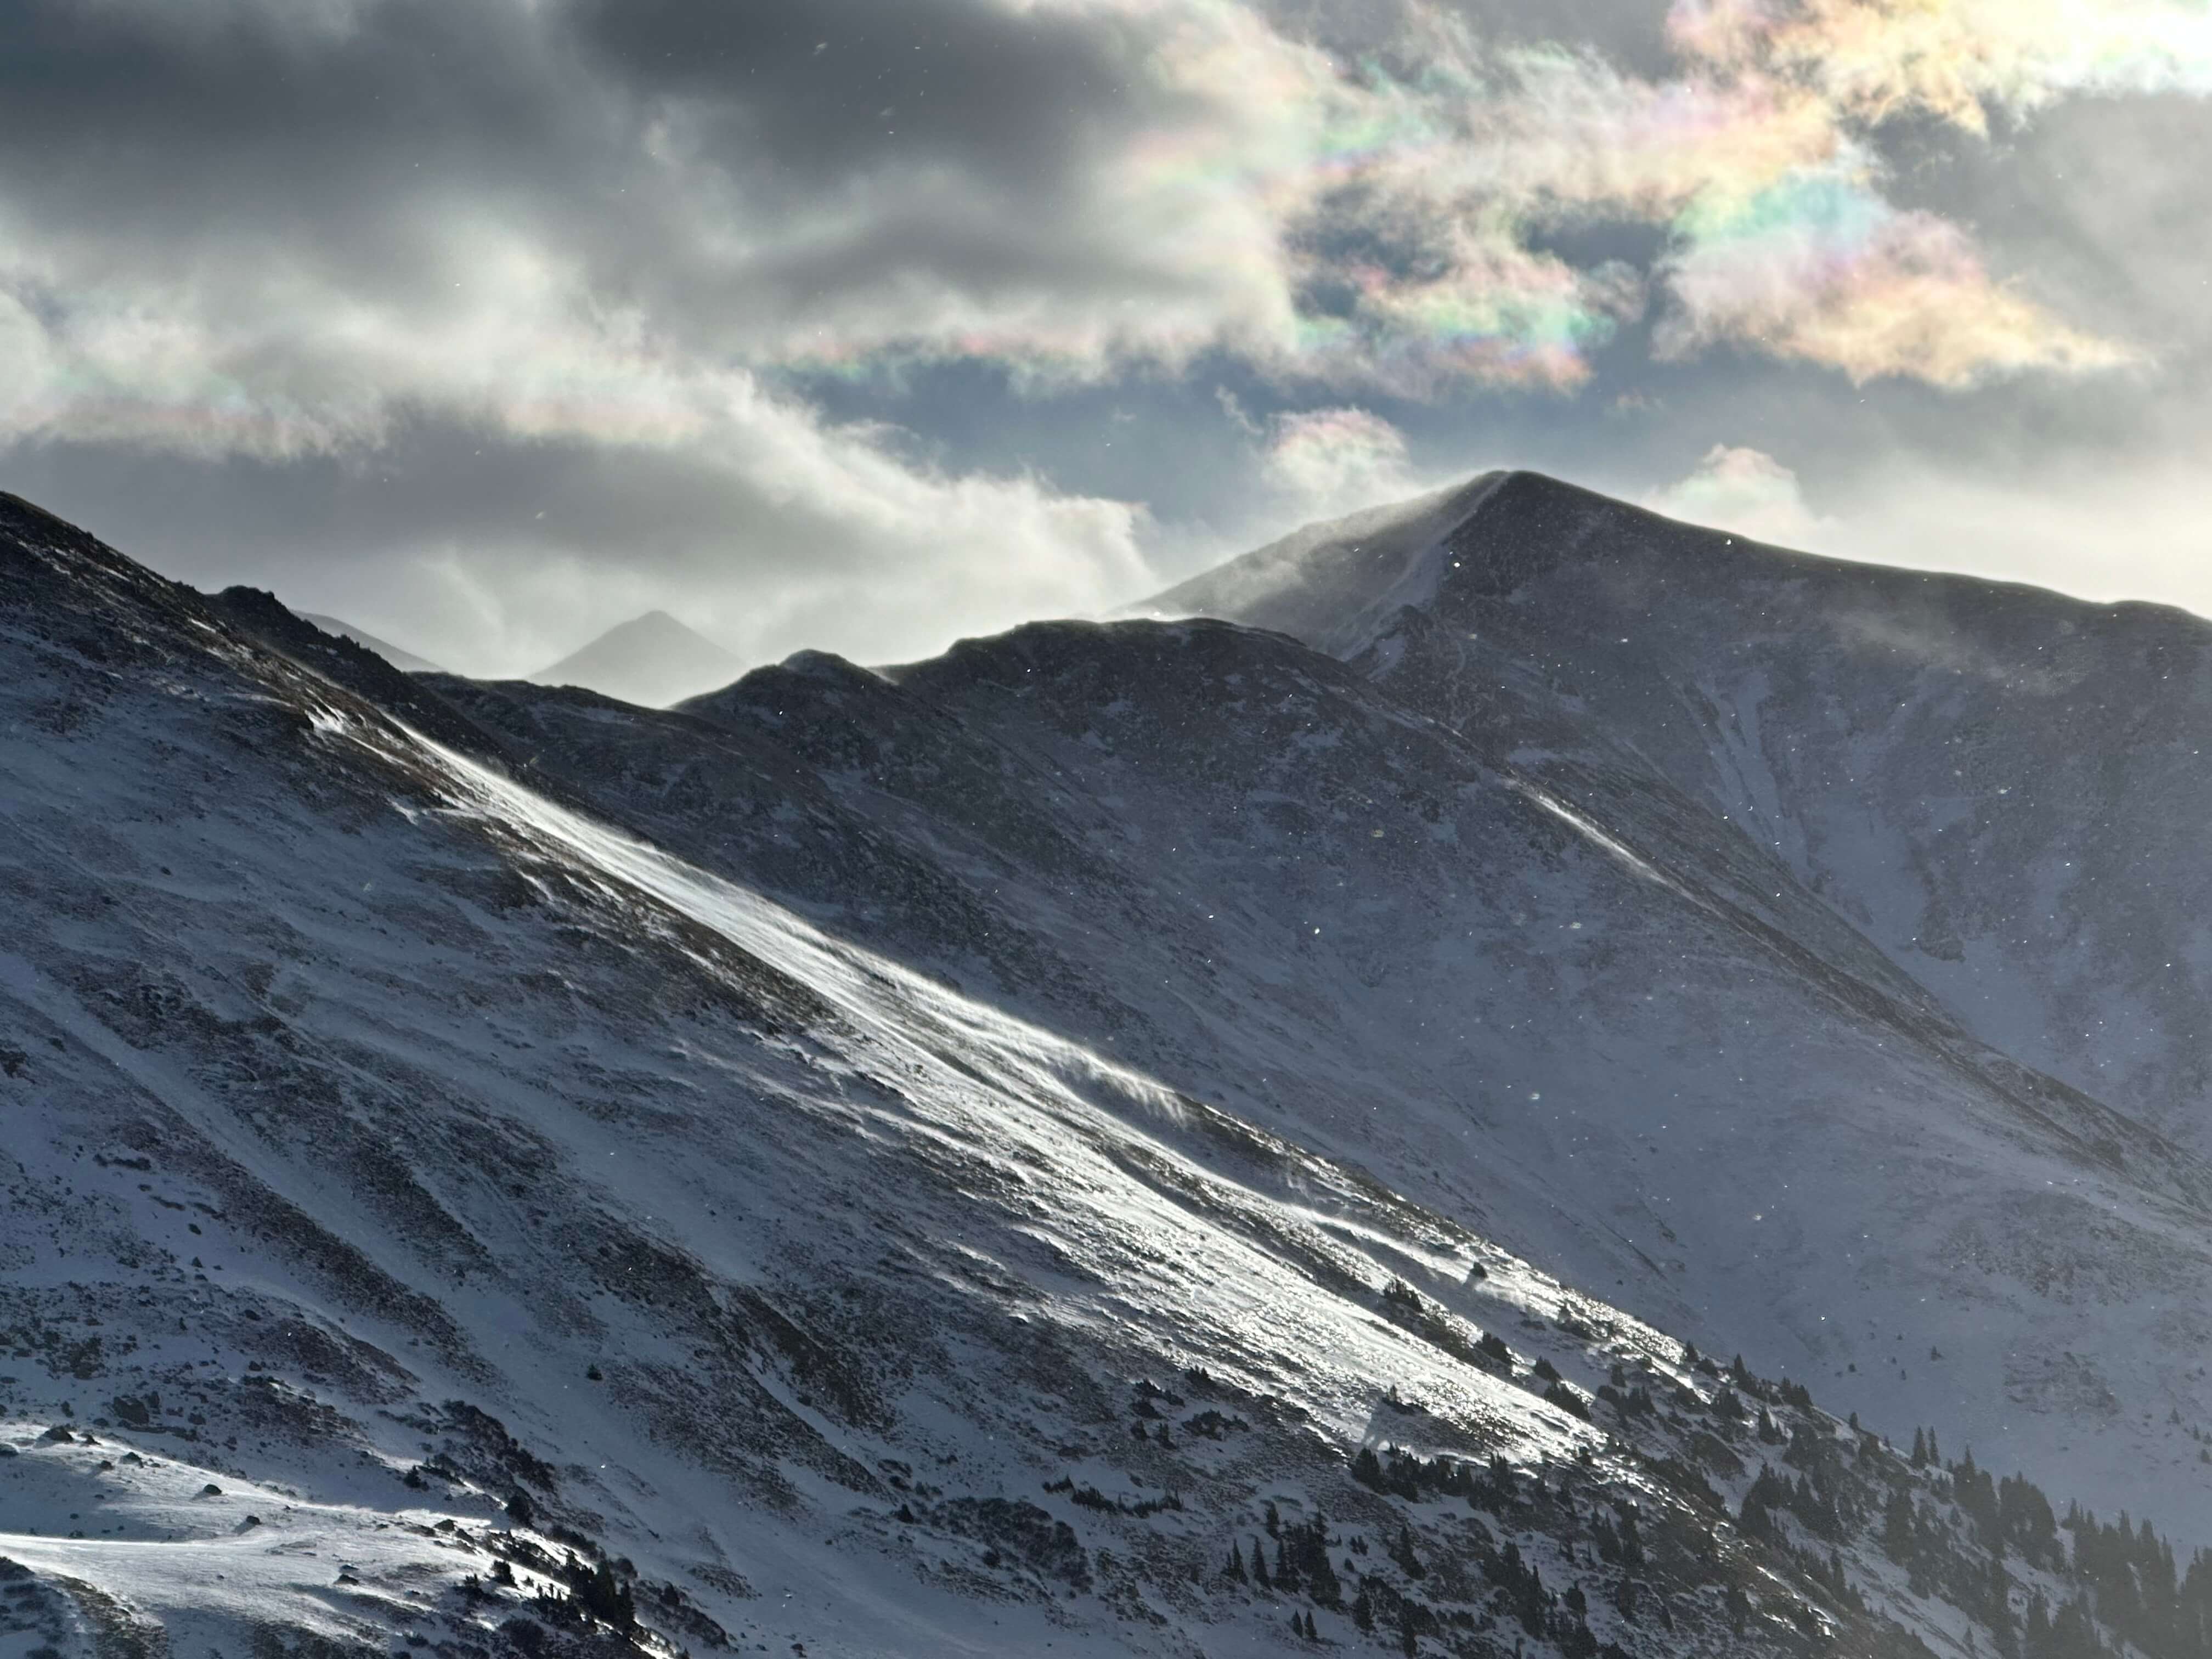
[(931, 1162), (404, 660)]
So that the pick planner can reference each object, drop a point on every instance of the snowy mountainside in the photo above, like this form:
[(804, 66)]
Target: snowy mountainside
[(445, 1210), (2000, 786), (1248, 869)]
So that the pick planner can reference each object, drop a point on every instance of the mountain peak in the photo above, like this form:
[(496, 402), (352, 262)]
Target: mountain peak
[(1334, 581), (653, 660), (1338, 583)]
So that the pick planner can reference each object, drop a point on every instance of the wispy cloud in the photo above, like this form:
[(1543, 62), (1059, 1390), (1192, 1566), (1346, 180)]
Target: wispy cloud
[(1813, 261), (1954, 59), (1819, 267), (1324, 462), (1383, 220), (1746, 490)]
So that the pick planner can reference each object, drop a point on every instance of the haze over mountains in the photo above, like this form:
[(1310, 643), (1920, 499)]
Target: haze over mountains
[(930, 1160), (652, 659), (404, 660)]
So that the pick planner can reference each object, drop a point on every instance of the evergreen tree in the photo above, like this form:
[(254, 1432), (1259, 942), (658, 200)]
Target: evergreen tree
[(1899, 1528), (1996, 1603), (1632, 1541), (606, 1598), (1502, 1477), (1737, 1605), (1753, 1517), (1321, 1582), (1524, 1589)]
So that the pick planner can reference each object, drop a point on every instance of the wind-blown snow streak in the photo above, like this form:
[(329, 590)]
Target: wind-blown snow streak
[(1597, 837), (1056, 1116)]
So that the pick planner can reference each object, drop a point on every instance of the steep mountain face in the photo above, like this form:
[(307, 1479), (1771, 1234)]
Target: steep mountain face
[(652, 659), (939, 1162), (1545, 993), (2000, 787)]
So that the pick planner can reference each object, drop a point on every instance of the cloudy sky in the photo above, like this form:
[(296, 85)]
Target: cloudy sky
[(864, 323)]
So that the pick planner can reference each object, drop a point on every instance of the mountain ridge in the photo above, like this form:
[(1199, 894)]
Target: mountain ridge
[(975, 855), (404, 660), (1329, 568), (1974, 668), (877, 1108)]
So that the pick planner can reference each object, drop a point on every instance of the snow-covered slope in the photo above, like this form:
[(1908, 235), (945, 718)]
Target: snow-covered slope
[(2000, 786), (928, 1164), (652, 659), (1625, 1043)]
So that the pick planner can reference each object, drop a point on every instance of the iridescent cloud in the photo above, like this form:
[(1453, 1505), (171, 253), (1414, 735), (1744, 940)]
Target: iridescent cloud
[(1746, 490), (1321, 463), (1817, 266), (1381, 223), (1382, 220), (1955, 59), (1814, 262)]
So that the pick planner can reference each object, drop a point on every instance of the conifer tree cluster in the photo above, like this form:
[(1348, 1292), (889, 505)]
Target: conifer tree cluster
[(1994, 1549), (1301, 1563)]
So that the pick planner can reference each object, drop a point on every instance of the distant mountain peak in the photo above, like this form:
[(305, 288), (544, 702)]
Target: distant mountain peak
[(653, 660)]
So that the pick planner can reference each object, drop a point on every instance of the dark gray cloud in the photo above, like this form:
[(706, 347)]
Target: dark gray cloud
[(181, 125), (804, 97), (742, 172)]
